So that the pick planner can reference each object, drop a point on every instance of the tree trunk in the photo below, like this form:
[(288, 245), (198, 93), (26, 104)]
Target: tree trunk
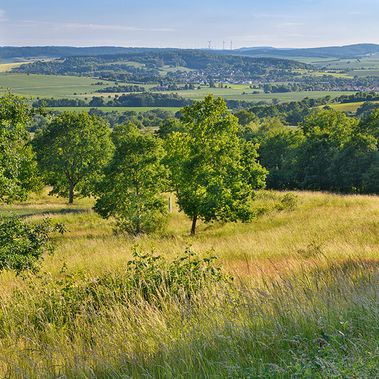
[(193, 229), (71, 194)]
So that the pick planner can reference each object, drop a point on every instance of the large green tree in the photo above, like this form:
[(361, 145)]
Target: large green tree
[(131, 191), (213, 172), (72, 152), (18, 168), (278, 153), (326, 133)]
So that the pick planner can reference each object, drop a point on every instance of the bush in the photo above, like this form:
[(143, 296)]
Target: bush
[(146, 278), (22, 244), (288, 202)]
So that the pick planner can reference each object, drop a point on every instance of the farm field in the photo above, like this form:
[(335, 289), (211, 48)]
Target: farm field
[(303, 302), (366, 66), (6, 67), (349, 107), (47, 85), (82, 87)]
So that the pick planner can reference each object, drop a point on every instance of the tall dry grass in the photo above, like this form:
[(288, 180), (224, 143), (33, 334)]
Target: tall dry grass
[(304, 302)]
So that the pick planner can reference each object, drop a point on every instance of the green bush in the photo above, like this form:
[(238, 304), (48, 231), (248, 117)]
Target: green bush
[(288, 202), (23, 244), (146, 278)]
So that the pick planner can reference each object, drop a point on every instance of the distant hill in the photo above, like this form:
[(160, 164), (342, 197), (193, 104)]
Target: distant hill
[(350, 51), (29, 52), (172, 65)]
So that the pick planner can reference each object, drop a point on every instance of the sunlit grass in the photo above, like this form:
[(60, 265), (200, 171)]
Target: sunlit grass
[(303, 303)]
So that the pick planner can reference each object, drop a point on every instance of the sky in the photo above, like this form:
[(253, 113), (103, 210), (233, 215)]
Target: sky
[(188, 24)]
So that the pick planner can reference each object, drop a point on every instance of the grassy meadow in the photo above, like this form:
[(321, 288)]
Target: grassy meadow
[(48, 85), (349, 107), (304, 300)]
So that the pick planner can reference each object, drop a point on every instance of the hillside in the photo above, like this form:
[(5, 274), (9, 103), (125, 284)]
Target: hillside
[(175, 65), (28, 52), (349, 51), (304, 302)]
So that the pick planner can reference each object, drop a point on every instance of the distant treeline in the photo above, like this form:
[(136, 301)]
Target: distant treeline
[(146, 99), (122, 88), (324, 83), (291, 113), (329, 151)]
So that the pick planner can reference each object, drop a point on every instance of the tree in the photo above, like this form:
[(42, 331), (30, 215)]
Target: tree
[(370, 124), (18, 167), (131, 191), (278, 154), (326, 133), (213, 171), (353, 161), (22, 244), (72, 152), (169, 126), (245, 117)]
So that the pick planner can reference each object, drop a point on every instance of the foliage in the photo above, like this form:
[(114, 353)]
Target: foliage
[(330, 151), (23, 244), (147, 277), (18, 168), (72, 152), (213, 172), (133, 182)]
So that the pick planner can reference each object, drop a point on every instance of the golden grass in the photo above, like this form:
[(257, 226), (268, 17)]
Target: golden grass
[(305, 304), (341, 226), (7, 67)]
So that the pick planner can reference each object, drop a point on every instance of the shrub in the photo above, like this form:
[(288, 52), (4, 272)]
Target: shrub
[(288, 202), (146, 278), (22, 244)]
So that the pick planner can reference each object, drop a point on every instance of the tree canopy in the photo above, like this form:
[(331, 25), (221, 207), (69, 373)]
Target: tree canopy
[(131, 191), (213, 172), (18, 168), (72, 152)]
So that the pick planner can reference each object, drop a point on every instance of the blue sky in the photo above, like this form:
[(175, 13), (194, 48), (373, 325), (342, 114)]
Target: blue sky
[(189, 24)]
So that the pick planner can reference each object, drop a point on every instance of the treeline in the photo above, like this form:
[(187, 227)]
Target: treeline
[(149, 100), (144, 99), (294, 112), (122, 88), (129, 170), (329, 151), (212, 160)]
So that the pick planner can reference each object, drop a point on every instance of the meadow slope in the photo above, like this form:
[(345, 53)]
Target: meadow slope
[(303, 303)]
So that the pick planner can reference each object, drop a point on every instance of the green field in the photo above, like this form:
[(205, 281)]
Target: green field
[(83, 87), (366, 66), (48, 85), (349, 107), (303, 303)]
